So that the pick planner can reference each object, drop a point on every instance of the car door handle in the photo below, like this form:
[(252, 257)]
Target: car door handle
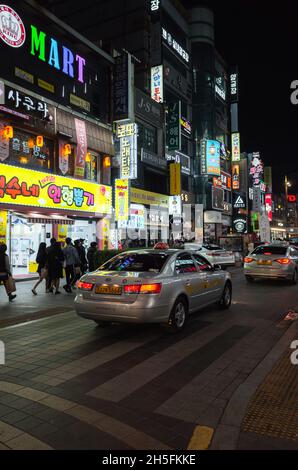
[(187, 282)]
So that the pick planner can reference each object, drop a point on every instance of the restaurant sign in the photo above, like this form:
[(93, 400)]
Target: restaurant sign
[(44, 190)]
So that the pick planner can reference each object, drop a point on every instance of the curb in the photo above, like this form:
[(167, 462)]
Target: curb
[(228, 430)]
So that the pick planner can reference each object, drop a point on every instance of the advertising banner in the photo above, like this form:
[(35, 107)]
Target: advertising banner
[(121, 199), (268, 204), (235, 147), (264, 227), (139, 196), (175, 206), (37, 189), (127, 134), (175, 179), (81, 148), (236, 177), (210, 157)]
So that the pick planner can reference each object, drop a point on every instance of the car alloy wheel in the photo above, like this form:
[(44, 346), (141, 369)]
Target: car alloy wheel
[(226, 298), (178, 317)]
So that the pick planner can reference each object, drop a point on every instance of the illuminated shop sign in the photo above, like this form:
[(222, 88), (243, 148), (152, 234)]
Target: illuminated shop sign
[(236, 177), (34, 188), (47, 62), (225, 181), (121, 199), (154, 5), (240, 225), (256, 170), (173, 132), (210, 157), (235, 147), (157, 83), (26, 103), (234, 85), (268, 205), (220, 88), (186, 126), (173, 44), (127, 134), (292, 198)]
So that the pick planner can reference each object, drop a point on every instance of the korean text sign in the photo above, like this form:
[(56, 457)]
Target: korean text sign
[(35, 188)]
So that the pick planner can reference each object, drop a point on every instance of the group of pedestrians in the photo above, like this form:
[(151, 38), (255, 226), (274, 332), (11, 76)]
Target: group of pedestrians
[(52, 262)]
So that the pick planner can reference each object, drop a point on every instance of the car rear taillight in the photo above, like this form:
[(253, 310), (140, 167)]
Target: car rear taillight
[(267, 253), (248, 260), (85, 285), (142, 289), (283, 261)]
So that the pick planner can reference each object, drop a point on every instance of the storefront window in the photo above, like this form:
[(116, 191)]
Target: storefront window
[(24, 151)]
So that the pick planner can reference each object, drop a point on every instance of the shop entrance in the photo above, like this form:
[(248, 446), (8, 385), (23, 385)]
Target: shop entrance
[(83, 229), (25, 238)]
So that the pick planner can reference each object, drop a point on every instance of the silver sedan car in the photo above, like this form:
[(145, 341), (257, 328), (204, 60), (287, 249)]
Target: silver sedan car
[(272, 261), (152, 286)]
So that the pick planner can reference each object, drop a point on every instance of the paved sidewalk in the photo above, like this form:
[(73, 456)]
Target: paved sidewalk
[(263, 412), (27, 307)]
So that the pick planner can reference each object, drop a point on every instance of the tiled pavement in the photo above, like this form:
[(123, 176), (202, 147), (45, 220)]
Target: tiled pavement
[(70, 385)]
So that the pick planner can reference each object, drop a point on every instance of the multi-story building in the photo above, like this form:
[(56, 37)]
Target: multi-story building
[(56, 144)]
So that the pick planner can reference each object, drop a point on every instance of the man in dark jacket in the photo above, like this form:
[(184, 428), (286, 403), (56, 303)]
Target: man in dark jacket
[(91, 256)]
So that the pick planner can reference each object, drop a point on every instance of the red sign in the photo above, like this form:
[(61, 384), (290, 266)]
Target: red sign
[(268, 204), (292, 198), (81, 148)]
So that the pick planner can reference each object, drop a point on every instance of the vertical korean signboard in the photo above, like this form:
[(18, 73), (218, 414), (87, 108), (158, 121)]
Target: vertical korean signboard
[(235, 147), (121, 87), (127, 134), (210, 157), (173, 140), (121, 199), (157, 83), (175, 179), (81, 148)]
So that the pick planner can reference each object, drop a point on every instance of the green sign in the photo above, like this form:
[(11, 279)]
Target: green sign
[(173, 136)]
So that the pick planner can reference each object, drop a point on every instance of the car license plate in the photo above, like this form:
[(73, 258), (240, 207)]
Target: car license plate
[(265, 262), (112, 290)]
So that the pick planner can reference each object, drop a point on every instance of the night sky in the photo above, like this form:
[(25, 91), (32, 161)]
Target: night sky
[(263, 41)]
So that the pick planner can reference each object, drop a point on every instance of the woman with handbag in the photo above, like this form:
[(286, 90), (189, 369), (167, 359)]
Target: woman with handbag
[(41, 259), (5, 273)]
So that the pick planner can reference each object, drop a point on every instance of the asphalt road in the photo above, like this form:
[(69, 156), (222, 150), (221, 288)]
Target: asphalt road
[(126, 386)]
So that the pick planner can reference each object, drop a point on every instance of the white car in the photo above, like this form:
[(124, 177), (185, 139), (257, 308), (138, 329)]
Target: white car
[(213, 253)]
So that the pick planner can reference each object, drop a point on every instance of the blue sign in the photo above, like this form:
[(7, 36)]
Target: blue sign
[(213, 157)]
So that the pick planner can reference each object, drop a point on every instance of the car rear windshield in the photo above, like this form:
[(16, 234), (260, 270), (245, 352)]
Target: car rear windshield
[(136, 262), (273, 250), (212, 247)]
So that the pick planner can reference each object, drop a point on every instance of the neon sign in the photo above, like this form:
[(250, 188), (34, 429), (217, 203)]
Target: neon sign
[(56, 55)]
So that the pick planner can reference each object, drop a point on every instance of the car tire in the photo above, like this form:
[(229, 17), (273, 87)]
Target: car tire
[(178, 316), (102, 324), (294, 278), (226, 298), (249, 279)]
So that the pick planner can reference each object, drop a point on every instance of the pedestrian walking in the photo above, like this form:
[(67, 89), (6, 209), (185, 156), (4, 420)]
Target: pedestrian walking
[(82, 255), (91, 256), (55, 266), (71, 261), (41, 259), (5, 273)]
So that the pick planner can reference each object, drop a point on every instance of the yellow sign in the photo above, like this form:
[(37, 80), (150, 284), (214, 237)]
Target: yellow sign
[(62, 233), (139, 196), (175, 179), (45, 190), (3, 226), (45, 85), (79, 102), (121, 199)]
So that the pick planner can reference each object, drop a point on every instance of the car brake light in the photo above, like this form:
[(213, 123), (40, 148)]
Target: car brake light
[(142, 289), (283, 260), (267, 253), (85, 285), (248, 260)]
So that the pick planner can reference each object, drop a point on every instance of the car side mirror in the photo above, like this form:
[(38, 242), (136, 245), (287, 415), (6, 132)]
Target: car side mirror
[(217, 267)]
